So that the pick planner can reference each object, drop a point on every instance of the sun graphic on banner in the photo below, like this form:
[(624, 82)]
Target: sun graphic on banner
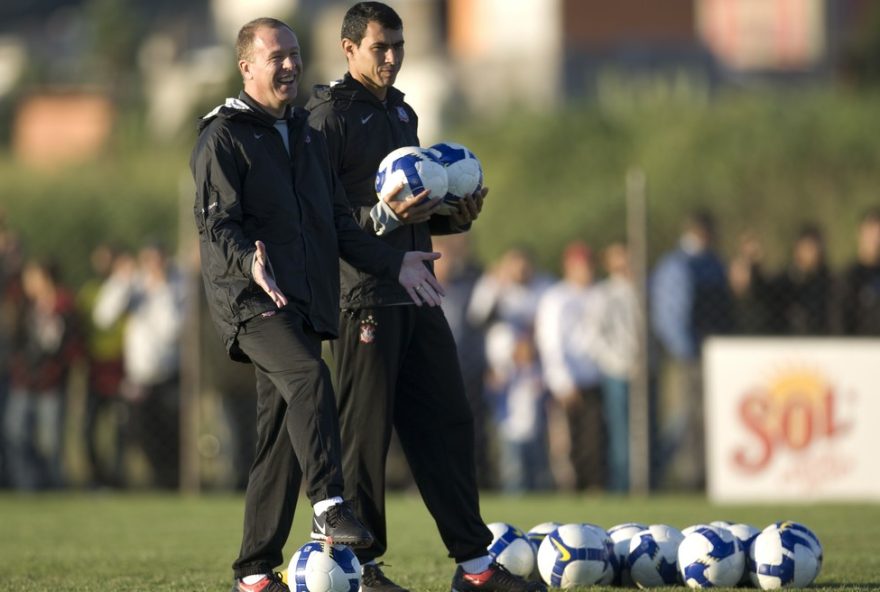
[(804, 383)]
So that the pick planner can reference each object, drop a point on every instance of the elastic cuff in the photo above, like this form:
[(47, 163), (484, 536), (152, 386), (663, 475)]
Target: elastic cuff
[(251, 570)]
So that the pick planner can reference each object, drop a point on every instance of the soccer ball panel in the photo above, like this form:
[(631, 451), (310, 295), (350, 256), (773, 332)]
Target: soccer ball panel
[(573, 555), (653, 556), (511, 548), (710, 556), (621, 535), (317, 567), (463, 170), (413, 167), (782, 556)]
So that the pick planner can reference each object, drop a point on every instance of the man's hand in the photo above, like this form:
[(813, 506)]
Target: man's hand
[(469, 207), (262, 274), (414, 209), (421, 286)]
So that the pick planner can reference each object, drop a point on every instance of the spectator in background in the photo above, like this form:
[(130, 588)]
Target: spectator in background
[(858, 299), (11, 303), (571, 373), (801, 294), (750, 291), (149, 295), (458, 273), (104, 371), (515, 386), (612, 340), (503, 304), (45, 345), (689, 300)]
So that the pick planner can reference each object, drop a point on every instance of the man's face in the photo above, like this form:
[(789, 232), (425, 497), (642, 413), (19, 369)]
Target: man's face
[(376, 61), (271, 76)]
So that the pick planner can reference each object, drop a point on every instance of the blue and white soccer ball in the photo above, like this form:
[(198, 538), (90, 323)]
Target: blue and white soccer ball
[(318, 567), (653, 556), (621, 535), (574, 555), (711, 556), (537, 533), (511, 548), (463, 170), (745, 534), (785, 555), (416, 169)]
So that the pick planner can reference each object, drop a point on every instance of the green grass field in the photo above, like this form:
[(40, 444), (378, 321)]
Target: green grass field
[(140, 542)]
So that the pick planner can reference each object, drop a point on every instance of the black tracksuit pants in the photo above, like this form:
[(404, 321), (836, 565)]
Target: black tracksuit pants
[(297, 435), (397, 366)]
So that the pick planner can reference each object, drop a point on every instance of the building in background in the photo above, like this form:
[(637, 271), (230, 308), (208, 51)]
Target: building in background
[(464, 57)]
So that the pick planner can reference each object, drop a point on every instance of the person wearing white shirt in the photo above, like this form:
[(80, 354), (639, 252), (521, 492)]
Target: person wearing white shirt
[(571, 373)]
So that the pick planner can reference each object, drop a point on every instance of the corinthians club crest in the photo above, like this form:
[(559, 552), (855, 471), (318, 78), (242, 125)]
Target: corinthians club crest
[(368, 329), (402, 115)]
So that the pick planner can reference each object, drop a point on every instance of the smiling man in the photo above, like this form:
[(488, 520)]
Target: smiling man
[(272, 223), (396, 362)]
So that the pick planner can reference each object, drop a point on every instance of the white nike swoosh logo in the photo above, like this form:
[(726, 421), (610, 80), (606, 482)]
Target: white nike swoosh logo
[(319, 528), (258, 136), (364, 120)]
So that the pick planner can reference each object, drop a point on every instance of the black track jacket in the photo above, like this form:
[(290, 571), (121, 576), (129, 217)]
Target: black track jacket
[(248, 188), (360, 131)]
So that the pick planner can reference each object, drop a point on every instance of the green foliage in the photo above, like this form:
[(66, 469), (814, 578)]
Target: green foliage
[(63, 214), (765, 162), (134, 542)]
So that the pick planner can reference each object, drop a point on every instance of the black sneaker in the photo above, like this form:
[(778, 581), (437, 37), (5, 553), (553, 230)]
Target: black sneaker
[(373, 580), (493, 579), (339, 526), (271, 583)]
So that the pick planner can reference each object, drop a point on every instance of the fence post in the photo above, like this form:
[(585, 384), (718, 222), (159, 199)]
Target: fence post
[(190, 346), (639, 401)]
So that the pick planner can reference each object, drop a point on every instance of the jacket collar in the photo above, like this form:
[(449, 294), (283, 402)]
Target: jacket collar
[(353, 90)]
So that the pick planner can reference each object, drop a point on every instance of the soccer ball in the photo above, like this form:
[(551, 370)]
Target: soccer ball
[(746, 534), (785, 554), (573, 555), (463, 169), (711, 556), (621, 535), (692, 528), (316, 567), (511, 548), (416, 168), (653, 556), (537, 533)]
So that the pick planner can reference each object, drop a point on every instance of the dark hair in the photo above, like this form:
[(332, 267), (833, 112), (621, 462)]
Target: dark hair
[(354, 24), (244, 44), (871, 215), (701, 219), (810, 231)]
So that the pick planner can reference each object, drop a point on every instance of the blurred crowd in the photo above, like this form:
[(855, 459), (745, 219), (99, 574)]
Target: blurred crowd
[(548, 360)]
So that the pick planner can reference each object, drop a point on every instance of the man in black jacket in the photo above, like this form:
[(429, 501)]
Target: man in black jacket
[(272, 223), (396, 364)]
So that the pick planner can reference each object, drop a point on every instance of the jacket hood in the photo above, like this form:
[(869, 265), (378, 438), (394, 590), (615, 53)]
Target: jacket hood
[(245, 106), (347, 90)]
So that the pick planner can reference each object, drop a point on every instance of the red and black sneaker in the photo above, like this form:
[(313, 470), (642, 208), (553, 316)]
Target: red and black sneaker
[(493, 579), (271, 583)]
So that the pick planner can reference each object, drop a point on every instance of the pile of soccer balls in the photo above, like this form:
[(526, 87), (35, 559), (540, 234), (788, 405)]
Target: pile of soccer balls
[(449, 170), (719, 554)]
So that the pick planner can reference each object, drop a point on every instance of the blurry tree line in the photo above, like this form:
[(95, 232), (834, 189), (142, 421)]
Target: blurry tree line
[(762, 162)]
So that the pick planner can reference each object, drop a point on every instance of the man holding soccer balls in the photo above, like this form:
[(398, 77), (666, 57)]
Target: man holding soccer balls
[(396, 363)]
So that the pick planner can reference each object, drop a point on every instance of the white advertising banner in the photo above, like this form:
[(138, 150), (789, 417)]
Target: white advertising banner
[(792, 419)]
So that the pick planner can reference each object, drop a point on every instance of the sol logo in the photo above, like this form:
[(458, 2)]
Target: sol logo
[(793, 411)]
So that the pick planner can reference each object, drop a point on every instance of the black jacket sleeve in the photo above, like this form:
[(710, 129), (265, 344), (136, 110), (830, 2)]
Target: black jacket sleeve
[(218, 208)]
